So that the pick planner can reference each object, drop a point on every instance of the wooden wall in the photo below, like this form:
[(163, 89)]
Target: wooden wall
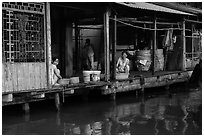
[(23, 76)]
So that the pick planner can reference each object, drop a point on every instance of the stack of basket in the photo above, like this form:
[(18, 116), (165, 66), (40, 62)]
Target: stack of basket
[(143, 61)]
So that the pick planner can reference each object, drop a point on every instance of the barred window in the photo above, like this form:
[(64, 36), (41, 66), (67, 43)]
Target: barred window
[(23, 35)]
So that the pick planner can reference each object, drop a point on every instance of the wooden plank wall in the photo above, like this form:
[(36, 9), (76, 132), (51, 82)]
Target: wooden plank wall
[(23, 76)]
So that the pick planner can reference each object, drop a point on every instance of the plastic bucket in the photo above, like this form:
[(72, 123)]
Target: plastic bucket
[(86, 79), (96, 75), (86, 75)]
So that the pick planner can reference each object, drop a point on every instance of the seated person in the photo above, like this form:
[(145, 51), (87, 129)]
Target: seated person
[(55, 72), (122, 65)]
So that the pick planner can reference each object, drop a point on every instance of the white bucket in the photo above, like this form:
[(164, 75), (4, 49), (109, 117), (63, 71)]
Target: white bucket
[(86, 75), (96, 75)]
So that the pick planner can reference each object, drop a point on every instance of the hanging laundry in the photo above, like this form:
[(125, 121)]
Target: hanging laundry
[(167, 44), (167, 41)]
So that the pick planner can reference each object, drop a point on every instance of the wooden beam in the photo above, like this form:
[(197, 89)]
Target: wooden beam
[(114, 47), (77, 47), (193, 21), (47, 32), (154, 46), (192, 45), (106, 45), (147, 22)]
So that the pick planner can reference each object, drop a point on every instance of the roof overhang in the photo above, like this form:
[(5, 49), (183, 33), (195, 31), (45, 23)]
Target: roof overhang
[(153, 7), (176, 6)]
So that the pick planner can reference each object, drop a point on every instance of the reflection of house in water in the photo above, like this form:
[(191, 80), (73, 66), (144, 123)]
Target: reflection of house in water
[(160, 115)]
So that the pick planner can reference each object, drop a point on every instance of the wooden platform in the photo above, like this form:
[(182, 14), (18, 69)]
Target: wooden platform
[(20, 97), (140, 80), (136, 81)]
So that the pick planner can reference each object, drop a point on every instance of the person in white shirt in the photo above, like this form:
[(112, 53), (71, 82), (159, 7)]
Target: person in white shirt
[(55, 72), (122, 65)]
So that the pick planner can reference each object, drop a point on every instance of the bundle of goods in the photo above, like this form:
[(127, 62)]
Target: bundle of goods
[(143, 60)]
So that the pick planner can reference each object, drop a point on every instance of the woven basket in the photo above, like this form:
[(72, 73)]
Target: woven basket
[(74, 80), (64, 81), (122, 75)]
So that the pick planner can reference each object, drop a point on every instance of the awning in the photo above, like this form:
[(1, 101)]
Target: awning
[(152, 7), (176, 6)]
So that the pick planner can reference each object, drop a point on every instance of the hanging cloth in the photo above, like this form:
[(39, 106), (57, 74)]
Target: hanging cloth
[(167, 44), (167, 41)]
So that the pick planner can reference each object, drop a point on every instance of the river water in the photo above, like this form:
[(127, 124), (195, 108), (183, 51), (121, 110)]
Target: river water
[(157, 112)]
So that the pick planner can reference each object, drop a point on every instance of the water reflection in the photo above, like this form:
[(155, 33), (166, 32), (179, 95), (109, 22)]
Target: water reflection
[(163, 115)]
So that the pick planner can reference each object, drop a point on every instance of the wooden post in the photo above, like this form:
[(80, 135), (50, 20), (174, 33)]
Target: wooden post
[(154, 46), (106, 45), (113, 96), (167, 87), (57, 101), (68, 47), (142, 83), (47, 32), (184, 46), (27, 117), (192, 62), (77, 47), (114, 47), (136, 93), (58, 119), (26, 107)]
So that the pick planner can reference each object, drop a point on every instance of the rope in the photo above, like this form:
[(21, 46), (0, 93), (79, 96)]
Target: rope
[(144, 28)]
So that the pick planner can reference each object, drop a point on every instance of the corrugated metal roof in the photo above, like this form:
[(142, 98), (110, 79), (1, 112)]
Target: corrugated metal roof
[(176, 6), (149, 6)]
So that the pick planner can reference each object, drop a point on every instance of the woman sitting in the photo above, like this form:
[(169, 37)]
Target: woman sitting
[(122, 65), (55, 72)]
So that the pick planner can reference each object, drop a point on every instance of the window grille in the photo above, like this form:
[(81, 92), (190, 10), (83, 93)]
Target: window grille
[(23, 32)]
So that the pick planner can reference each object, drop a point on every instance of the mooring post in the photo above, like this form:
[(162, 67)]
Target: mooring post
[(167, 87), (26, 107), (142, 89), (27, 117), (142, 82), (136, 93), (58, 119), (57, 101)]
